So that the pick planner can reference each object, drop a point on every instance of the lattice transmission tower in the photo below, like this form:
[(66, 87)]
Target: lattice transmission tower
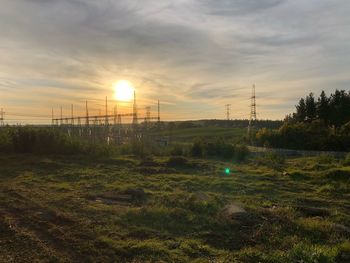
[(252, 118), (228, 111), (2, 117)]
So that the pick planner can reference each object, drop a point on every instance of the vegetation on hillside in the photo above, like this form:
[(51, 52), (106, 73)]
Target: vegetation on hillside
[(49, 141), (39, 140)]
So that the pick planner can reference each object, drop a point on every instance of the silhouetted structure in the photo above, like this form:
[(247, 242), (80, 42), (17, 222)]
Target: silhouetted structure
[(252, 111)]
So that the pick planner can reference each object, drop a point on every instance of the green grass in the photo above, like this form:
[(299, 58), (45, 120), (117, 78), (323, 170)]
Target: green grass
[(207, 133), (77, 209)]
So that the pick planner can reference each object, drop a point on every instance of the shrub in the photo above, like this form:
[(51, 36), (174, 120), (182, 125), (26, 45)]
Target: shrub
[(241, 152), (48, 141), (313, 135), (138, 148), (227, 151), (125, 149), (197, 148), (326, 159), (346, 160), (219, 149), (272, 160), (177, 150), (210, 149), (338, 174), (5, 141)]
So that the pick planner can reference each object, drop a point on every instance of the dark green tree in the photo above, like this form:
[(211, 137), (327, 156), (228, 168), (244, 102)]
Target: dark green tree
[(339, 108), (310, 107), (322, 108), (300, 115)]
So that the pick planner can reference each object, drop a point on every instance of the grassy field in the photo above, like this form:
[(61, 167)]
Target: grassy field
[(122, 209), (207, 133)]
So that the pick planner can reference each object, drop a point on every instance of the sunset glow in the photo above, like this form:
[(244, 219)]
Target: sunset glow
[(123, 90)]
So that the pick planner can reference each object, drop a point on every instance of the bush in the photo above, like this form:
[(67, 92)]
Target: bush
[(5, 140), (219, 149), (177, 150), (338, 174), (227, 151), (326, 159), (346, 160), (272, 160), (197, 148), (305, 136), (138, 148), (48, 141), (241, 152)]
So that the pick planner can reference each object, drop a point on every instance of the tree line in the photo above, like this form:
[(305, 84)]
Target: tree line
[(333, 110), (321, 123)]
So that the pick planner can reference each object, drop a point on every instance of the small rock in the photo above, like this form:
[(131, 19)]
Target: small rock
[(233, 211)]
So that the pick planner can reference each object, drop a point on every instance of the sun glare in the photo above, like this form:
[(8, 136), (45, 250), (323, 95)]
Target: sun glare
[(123, 90)]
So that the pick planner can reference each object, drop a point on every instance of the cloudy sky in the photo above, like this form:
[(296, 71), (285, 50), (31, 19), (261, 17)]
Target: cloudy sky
[(193, 55)]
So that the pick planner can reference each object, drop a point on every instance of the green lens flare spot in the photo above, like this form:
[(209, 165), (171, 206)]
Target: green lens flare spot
[(227, 171)]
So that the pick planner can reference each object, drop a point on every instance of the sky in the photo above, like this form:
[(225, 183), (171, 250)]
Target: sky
[(195, 56)]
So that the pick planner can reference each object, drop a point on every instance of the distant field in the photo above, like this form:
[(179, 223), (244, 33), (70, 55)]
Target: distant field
[(208, 133), (128, 210)]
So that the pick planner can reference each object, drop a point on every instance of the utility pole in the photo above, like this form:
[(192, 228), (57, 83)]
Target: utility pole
[(115, 115), (158, 115), (72, 120), (106, 117), (158, 111), (52, 117), (147, 117), (148, 114), (2, 117), (87, 114), (134, 118), (119, 121), (252, 110), (228, 111), (61, 119), (99, 117)]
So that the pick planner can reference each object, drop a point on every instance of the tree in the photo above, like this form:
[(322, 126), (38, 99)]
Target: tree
[(322, 108), (310, 107), (324, 125), (301, 110), (339, 108), (289, 118)]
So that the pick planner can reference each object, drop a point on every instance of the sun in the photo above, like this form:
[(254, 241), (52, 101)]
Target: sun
[(123, 90)]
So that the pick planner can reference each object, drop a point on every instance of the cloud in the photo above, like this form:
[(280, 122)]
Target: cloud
[(238, 7), (190, 53)]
